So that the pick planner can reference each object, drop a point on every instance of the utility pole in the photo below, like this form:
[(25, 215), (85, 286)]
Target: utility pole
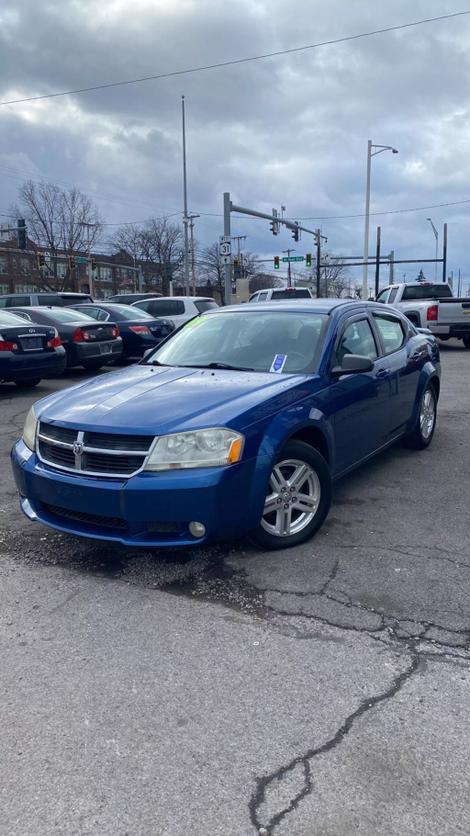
[(185, 204), (289, 276), (193, 272), (317, 266)]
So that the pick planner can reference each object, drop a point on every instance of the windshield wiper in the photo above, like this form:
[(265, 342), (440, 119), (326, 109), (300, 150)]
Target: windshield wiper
[(220, 366)]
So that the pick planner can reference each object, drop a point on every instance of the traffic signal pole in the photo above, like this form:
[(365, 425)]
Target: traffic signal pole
[(230, 207)]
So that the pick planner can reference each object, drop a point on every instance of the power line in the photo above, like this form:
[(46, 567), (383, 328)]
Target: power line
[(235, 61), (346, 217)]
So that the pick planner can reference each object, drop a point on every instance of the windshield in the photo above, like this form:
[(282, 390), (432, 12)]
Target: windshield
[(126, 312), (7, 318), (427, 291), (278, 342), (65, 315)]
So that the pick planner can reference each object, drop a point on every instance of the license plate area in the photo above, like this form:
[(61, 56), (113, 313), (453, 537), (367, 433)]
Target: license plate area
[(106, 348), (31, 343)]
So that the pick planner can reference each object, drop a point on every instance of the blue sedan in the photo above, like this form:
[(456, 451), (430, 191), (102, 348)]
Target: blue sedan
[(237, 424)]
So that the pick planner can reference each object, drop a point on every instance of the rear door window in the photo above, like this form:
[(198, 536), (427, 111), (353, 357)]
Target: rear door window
[(165, 307), (391, 332), (17, 301), (49, 299), (291, 294)]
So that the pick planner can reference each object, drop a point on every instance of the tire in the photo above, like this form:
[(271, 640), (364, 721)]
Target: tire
[(313, 484), (93, 364), (28, 384), (466, 341), (421, 435)]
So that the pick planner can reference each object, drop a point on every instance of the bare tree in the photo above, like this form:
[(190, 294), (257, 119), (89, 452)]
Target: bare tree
[(64, 222), (212, 270), (161, 244), (129, 239), (334, 276), (260, 281)]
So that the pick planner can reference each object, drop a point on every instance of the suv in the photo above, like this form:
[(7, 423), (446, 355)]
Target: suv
[(54, 299), (179, 309), (277, 294), (130, 298)]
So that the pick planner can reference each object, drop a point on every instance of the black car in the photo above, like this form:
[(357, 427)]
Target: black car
[(87, 343), (28, 352), (58, 299), (138, 329), (129, 298)]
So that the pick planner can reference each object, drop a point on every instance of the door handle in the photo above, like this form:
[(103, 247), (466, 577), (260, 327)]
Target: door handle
[(383, 373)]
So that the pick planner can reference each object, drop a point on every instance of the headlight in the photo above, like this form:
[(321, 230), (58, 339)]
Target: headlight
[(202, 448), (30, 426)]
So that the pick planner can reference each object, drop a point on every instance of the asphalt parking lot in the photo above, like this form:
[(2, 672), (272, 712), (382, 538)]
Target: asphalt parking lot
[(321, 691)]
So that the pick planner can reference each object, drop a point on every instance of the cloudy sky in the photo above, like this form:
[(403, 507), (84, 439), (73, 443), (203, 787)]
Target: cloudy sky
[(289, 130)]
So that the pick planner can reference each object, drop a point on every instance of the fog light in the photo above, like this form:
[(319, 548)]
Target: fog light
[(197, 529)]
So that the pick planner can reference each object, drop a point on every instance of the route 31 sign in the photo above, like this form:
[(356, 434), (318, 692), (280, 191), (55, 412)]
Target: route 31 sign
[(225, 250)]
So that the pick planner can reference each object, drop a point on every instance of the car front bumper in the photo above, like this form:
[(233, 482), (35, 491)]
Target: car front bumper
[(148, 509)]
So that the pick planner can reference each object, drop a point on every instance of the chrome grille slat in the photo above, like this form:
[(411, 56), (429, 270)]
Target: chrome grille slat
[(92, 453)]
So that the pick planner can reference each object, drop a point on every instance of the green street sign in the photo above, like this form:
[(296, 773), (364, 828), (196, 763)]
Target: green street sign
[(293, 258), (79, 259)]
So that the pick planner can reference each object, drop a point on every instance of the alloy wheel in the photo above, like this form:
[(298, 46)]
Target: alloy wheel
[(293, 498), (427, 415)]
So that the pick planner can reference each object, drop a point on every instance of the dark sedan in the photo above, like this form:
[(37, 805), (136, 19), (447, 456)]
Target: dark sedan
[(87, 343), (139, 330), (27, 354)]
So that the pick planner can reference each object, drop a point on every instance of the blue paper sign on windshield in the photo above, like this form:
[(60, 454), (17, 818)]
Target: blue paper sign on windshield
[(278, 363)]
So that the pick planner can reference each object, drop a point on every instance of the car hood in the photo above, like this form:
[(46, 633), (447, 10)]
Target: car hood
[(154, 400)]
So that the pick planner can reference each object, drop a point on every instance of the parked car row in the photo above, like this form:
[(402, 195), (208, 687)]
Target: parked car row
[(93, 333)]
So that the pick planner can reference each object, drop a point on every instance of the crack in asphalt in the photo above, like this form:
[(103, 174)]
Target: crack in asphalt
[(265, 781)]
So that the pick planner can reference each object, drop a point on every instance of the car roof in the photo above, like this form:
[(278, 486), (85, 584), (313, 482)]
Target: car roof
[(292, 289), (183, 298)]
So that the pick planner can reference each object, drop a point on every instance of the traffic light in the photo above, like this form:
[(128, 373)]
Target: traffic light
[(308, 259), (71, 262), (41, 260), (276, 262), (296, 233), (274, 224), (93, 263), (21, 225)]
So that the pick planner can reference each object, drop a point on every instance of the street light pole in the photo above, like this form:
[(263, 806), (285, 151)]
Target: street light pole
[(436, 236), (372, 151), (185, 204)]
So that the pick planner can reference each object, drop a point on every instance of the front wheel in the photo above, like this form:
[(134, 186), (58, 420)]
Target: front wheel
[(297, 500), (421, 435), (466, 341)]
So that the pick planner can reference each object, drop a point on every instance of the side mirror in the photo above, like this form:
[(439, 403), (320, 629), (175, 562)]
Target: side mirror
[(353, 364)]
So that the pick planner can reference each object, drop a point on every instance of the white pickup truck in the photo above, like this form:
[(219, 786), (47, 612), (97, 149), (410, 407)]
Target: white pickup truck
[(431, 306)]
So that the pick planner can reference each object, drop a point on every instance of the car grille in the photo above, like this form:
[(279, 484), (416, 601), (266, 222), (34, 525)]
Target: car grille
[(92, 453)]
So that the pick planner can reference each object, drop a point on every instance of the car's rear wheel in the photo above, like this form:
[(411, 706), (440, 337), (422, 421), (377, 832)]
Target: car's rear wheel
[(421, 435), (27, 384), (466, 341), (297, 500)]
